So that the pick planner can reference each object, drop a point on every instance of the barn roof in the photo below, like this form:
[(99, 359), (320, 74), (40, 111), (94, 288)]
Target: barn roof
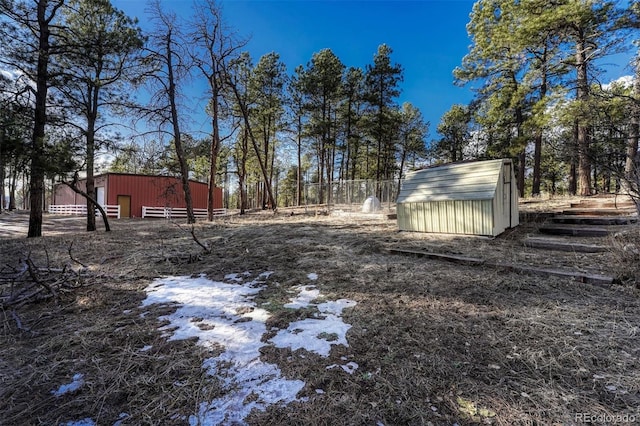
[(457, 181)]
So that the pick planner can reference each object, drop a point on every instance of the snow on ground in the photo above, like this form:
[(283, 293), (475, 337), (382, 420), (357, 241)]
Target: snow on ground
[(83, 422), (77, 381), (306, 294), (315, 334), (224, 314)]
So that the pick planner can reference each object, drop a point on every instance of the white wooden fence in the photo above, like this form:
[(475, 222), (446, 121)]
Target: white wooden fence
[(81, 210), (151, 212), (177, 212)]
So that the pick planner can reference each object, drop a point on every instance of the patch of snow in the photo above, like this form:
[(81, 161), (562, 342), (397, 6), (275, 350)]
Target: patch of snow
[(84, 422), (121, 418), (350, 367), (312, 276), (306, 295), (221, 306), (235, 322), (313, 335), (145, 348), (233, 277), (77, 381), (336, 307)]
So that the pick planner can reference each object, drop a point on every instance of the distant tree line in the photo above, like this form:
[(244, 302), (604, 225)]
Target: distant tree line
[(71, 70), (539, 97)]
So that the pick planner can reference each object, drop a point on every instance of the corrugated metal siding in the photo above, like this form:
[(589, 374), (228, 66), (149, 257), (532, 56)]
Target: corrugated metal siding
[(473, 217), (478, 198), (63, 195), (155, 191)]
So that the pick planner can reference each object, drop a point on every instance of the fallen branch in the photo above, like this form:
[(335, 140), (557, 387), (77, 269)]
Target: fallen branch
[(205, 248), (28, 283), (73, 258)]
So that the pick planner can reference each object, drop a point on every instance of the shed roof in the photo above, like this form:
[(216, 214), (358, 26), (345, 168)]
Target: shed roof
[(458, 181)]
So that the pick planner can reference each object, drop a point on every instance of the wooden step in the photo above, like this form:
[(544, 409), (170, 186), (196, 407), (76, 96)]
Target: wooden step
[(574, 230), (563, 245), (599, 212), (594, 220), (535, 217), (588, 278)]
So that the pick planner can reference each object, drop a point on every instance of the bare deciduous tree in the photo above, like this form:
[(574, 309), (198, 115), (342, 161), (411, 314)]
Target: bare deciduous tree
[(215, 45), (169, 64)]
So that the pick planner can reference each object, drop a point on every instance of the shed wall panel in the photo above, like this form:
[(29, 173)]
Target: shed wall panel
[(472, 217)]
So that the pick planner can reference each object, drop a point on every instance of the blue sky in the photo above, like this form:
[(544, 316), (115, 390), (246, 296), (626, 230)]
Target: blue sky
[(428, 38)]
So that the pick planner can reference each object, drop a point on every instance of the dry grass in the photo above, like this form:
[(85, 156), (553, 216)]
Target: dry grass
[(436, 343)]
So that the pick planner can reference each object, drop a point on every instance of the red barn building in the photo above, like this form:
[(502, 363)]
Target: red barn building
[(131, 192)]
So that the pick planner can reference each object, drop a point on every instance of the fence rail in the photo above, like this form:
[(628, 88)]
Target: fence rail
[(177, 212), (81, 210)]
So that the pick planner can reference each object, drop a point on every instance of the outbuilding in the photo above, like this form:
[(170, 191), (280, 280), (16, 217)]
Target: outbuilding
[(133, 191), (475, 198)]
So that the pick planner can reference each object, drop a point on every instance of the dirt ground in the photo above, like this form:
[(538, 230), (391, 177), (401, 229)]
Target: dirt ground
[(437, 343)]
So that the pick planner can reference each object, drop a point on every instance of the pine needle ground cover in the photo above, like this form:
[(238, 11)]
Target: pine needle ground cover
[(309, 319)]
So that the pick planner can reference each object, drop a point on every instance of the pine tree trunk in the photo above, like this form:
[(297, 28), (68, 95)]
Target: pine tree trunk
[(630, 167), (299, 171), (537, 159), (2, 170), (36, 185), (90, 159), (522, 157), (584, 162)]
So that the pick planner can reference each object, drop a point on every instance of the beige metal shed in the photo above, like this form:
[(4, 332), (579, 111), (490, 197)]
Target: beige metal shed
[(477, 198)]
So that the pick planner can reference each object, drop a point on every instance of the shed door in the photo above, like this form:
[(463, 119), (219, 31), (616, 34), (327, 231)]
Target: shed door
[(124, 201)]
